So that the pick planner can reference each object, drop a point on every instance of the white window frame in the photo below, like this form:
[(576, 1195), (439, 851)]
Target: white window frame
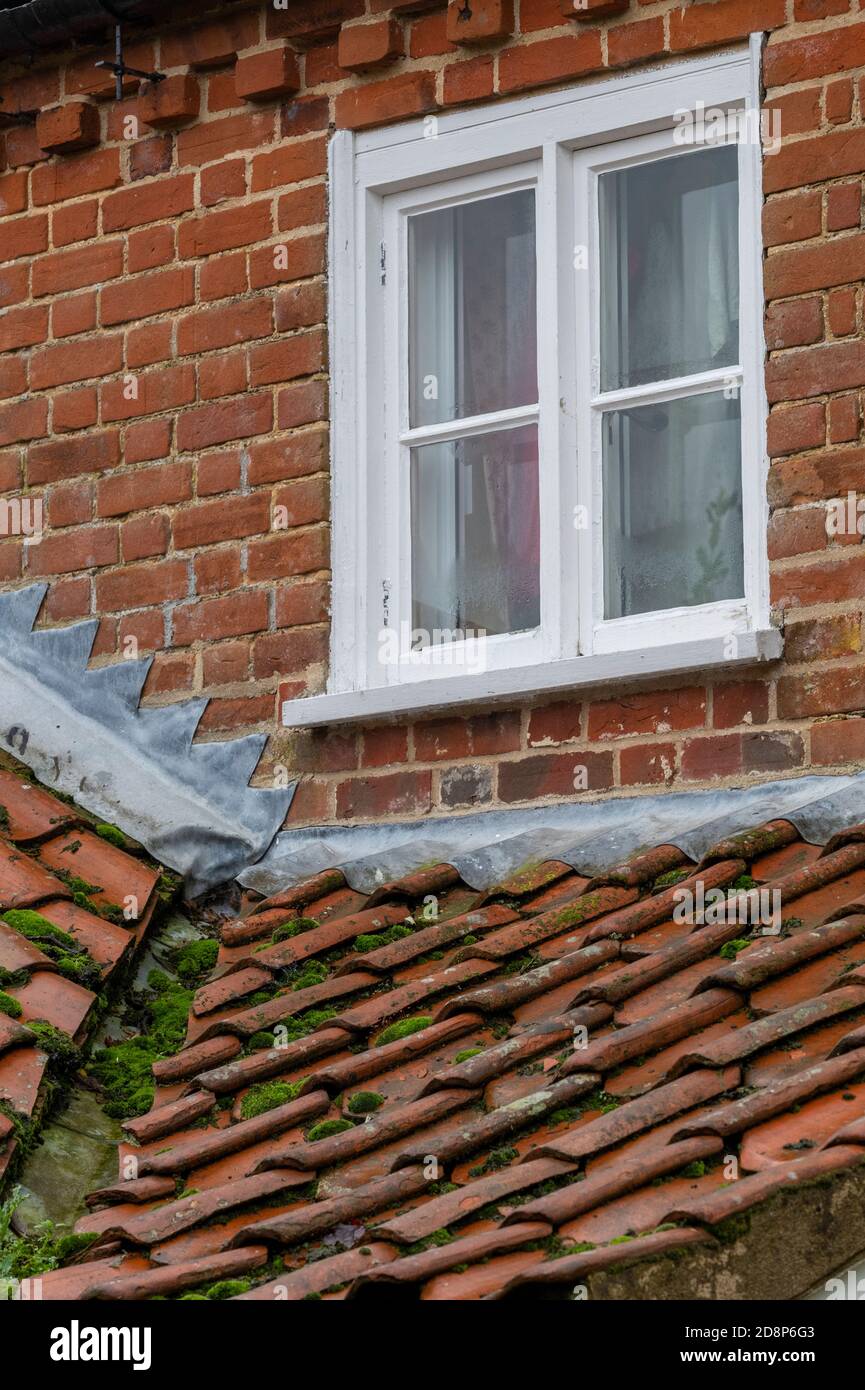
[(561, 139)]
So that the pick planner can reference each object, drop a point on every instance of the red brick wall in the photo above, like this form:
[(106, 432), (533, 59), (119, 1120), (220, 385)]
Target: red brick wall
[(163, 387)]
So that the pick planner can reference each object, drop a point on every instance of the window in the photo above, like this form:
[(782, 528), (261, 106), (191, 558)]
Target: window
[(549, 413)]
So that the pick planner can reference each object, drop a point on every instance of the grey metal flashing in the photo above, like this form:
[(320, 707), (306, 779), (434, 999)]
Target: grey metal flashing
[(592, 837), (83, 732)]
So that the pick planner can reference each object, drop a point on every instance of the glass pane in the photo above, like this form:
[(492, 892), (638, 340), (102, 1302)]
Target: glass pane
[(475, 536), (672, 505), (472, 315), (669, 268)]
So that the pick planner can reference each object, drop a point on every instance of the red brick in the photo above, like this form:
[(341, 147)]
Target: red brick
[(845, 419), (369, 45), (208, 329), (13, 194), (152, 247), (835, 691), (304, 207), (58, 364), (226, 663), (298, 306), (263, 76), (75, 313), (285, 555), (223, 276), (167, 388), (653, 713), (146, 440), (149, 157), (496, 732), (75, 410), (471, 80), (141, 586), (843, 206), (830, 367), (297, 259), (807, 161), (219, 472), (173, 102), (841, 312), (75, 176), (22, 147), (391, 794), (212, 140), (67, 598), (796, 427), (143, 537), (558, 723), (149, 343), (441, 739), (632, 43), (22, 328), (584, 10), (306, 601), (384, 746), (222, 181), (226, 519), (147, 629), (797, 532), (647, 763), (69, 458), (222, 92), (76, 222), (740, 702), (217, 570), (833, 578), (376, 103), (164, 486), (279, 653), (289, 163), (705, 25), (705, 759), (315, 20), (70, 504), (549, 60), (838, 742), (215, 618), (74, 126), (794, 323), (311, 804), (839, 101), (222, 421), (555, 774), (144, 295), (22, 421), (302, 404), (220, 231), (148, 202), (13, 379), (83, 549), (222, 374), (814, 55), (300, 355), (25, 236), (305, 114), (90, 264), (795, 217), (212, 44), (821, 639)]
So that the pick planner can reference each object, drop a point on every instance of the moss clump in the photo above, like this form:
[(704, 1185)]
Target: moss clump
[(312, 972), (58, 1045), (195, 960), (364, 1103), (697, 1169), (125, 1069), (9, 1005), (670, 878), (41, 1250), (403, 1029), (267, 1096), (731, 949), (743, 882), (228, 1288), (81, 969), (259, 1041), (36, 927), (466, 1053), (286, 930), (325, 1129), (111, 834), (371, 941), (499, 1158)]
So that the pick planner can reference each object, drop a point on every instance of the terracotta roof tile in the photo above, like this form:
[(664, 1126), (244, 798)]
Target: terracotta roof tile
[(466, 1096)]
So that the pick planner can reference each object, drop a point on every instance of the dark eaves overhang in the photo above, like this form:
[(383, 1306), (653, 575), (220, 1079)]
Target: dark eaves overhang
[(40, 25)]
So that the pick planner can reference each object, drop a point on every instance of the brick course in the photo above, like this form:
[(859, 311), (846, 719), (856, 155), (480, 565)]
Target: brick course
[(164, 380)]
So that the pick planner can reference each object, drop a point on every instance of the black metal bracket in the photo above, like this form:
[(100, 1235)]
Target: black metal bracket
[(121, 70)]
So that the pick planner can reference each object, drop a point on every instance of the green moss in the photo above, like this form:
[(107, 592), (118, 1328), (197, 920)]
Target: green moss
[(111, 834), (36, 927), (81, 969), (438, 1238), (267, 1096), (9, 1005), (466, 1053), (195, 960), (58, 1045), (37, 1252), (229, 1288), (325, 1129), (313, 972), (371, 941), (259, 1041), (744, 881), (733, 1229), (499, 1158), (364, 1102), (670, 878), (697, 1169), (124, 1070), (403, 1029), (297, 927), (731, 949)]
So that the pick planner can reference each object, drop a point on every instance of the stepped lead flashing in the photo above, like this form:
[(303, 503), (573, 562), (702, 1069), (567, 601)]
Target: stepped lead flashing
[(83, 732)]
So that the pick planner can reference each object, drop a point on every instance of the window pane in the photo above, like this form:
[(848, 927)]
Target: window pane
[(672, 505), (669, 268), (475, 535), (472, 316)]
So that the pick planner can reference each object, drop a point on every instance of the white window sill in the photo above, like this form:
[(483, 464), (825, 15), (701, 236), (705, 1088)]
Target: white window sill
[(445, 692)]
